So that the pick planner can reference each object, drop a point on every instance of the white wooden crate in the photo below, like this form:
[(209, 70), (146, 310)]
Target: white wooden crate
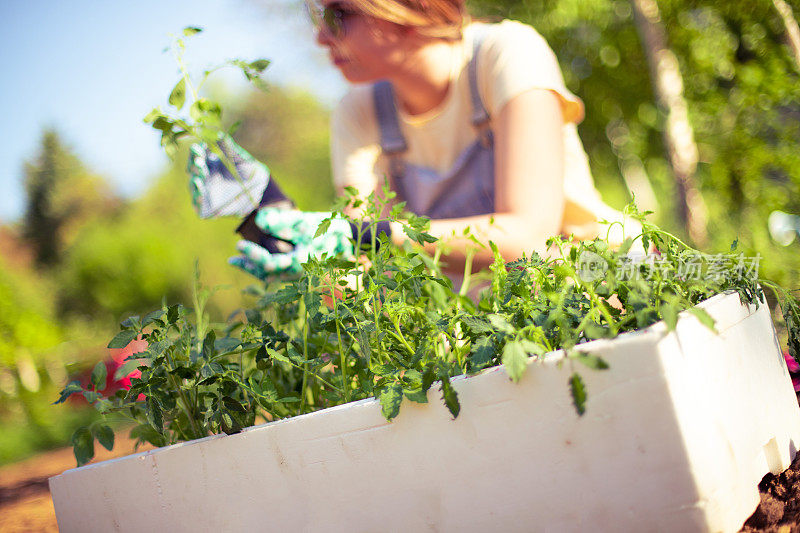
[(676, 436)]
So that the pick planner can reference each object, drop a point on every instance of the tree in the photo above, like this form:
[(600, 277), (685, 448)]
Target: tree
[(792, 29), (681, 149), (61, 196), (741, 87)]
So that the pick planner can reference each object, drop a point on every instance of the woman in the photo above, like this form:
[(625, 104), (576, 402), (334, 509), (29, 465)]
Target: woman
[(471, 123)]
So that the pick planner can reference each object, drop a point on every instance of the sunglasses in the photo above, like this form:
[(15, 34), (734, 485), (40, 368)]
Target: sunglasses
[(331, 16)]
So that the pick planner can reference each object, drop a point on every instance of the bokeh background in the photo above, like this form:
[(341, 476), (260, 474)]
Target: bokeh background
[(693, 106)]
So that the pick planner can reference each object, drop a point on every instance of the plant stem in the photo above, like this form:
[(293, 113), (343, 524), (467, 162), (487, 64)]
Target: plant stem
[(305, 358), (184, 402), (342, 354), (401, 338)]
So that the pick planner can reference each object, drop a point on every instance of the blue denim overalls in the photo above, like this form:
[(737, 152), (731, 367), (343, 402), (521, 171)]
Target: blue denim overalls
[(468, 188)]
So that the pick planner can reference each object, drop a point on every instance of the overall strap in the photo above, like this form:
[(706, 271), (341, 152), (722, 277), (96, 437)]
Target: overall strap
[(480, 117), (392, 140)]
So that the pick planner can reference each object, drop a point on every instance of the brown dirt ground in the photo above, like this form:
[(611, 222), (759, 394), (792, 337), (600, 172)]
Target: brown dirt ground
[(25, 504)]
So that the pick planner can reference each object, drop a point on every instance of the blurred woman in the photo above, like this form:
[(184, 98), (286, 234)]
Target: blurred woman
[(470, 122)]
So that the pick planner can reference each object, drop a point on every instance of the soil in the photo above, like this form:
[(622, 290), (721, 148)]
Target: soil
[(25, 503), (779, 510)]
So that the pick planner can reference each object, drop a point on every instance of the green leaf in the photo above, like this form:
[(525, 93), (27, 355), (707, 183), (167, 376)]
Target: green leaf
[(178, 95), (323, 227), (477, 325), (205, 109), (157, 349), (428, 377), (82, 445), (531, 348), (123, 338), (578, 391), (132, 322), (208, 345), (416, 394), (152, 116), (515, 360), (188, 31), (391, 398), (99, 375), (734, 245), (278, 356), (152, 317), (260, 65), (154, 414), (145, 433), (288, 399), (501, 324), (183, 372), (127, 368), (105, 436), (450, 397), (588, 360), (91, 396), (263, 361), (174, 313), (669, 313), (418, 236), (384, 369), (226, 344), (703, 317), (482, 352), (233, 405), (69, 390)]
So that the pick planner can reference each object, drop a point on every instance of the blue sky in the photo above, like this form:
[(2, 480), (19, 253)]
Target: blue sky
[(94, 69)]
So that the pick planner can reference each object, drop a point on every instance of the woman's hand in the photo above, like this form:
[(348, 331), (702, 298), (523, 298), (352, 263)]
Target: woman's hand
[(298, 229)]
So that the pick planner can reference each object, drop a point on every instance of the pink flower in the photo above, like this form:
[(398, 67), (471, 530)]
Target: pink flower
[(794, 368), (791, 363)]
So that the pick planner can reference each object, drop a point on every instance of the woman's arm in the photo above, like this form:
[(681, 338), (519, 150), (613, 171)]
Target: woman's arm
[(529, 188)]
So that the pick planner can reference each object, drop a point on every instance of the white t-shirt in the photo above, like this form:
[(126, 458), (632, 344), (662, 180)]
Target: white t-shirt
[(513, 59)]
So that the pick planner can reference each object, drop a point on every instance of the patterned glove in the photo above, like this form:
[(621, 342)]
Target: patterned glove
[(298, 229), (291, 241), (217, 192)]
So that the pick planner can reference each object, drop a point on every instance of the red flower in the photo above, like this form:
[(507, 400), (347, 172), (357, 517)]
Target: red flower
[(118, 357)]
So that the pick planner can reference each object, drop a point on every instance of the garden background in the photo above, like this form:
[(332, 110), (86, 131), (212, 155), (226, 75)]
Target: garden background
[(693, 106)]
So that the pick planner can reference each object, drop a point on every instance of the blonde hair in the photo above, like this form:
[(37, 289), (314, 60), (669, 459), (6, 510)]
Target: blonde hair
[(433, 18)]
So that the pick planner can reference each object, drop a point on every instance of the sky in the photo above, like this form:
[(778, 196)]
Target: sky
[(92, 69)]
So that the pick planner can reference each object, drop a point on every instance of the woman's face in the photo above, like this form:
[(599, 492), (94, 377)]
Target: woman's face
[(364, 48)]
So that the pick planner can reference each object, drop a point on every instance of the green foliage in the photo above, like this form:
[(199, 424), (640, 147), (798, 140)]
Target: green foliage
[(114, 258), (204, 123), (391, 326), (32, 367), (742, 88), (61, 195), (131, 262)]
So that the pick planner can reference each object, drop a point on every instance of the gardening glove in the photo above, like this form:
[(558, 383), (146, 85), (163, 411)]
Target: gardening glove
[(296, 229), (217, 192)]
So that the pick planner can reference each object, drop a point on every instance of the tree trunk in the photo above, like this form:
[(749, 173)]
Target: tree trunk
[(792, 29), (678, 133)]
